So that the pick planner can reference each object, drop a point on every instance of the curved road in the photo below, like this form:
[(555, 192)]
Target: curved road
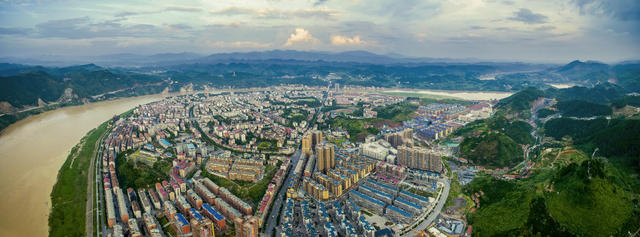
[(436, 211)]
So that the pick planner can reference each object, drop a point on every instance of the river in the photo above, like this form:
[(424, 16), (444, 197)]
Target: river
[(33, 150)]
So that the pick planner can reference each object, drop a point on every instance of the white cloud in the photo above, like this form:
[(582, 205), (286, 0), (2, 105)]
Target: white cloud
[(300, 36), (345, 40), (275, 13)]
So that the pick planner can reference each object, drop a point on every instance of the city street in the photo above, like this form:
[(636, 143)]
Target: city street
[(442, 199), (275, 209)]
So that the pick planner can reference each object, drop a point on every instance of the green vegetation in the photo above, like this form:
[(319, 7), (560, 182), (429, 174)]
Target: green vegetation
[(579, 197), (492, 149), (268, 146), (168, 228), (568, 193), (252, 192), (504, 207), (495, 142), (356, 127), (308, 101), (519, 103), (601, 93), (25, 87), (454, 192), (397, 112), (518, 130), (140, 175), (563, 202), (294, 115), (627, 100), (479, 125), (614, 137), (586, 202), (580, 108), (337, 142), (220, 119), (543, 113), (69, 194)]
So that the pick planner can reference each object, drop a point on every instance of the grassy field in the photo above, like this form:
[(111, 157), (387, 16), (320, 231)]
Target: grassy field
[(68, 197)]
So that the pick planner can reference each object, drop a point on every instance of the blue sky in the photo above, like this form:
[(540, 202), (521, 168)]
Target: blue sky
[(535, 31)]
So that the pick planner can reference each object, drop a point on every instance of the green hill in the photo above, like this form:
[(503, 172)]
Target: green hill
[(589, 71), (519, 131), (520, 102), (25, 87), (559, 202), (492, 149), (600, 94), (581, 108), (627, 100), (615, 137), (586, 202)]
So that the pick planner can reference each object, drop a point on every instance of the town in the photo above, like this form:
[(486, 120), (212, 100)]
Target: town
[(271, 161)]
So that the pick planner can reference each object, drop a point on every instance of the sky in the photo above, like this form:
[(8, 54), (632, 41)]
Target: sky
[(502, 30)]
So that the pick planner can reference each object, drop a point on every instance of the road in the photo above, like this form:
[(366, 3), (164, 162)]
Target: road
[(275, 209), (93, 188), (436, 210)]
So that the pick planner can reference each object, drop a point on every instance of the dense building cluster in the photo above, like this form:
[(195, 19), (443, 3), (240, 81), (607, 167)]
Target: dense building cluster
[(171, 131), (237, 137)]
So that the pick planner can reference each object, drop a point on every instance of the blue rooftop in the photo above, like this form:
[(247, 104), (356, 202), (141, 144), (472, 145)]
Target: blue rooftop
[(398, 210), (195, 214), (191, 146), (375, 201), (181, 219), (213, 212), (409, 203), (164, 142), (415, 196), (381, 184), (376, 191)]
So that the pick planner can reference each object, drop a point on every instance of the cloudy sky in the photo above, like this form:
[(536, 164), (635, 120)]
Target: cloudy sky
[(523, 30)]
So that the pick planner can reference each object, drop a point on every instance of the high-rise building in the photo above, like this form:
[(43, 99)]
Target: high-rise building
[(307, 144), (400, 138), (419, 158), (317, 138), (326, 155), (332, 157), (320, 159)]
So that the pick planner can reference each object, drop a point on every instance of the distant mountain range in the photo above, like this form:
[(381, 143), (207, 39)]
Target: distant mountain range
[(166, 59), (25, 84)]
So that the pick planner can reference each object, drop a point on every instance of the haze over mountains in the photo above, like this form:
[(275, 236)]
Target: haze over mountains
[(24, 84), (136, 60)]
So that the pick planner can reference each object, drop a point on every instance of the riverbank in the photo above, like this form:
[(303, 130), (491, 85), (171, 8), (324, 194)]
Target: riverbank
[(69, 194)]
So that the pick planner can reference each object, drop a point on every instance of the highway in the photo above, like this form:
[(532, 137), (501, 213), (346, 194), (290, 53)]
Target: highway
[(275, 209), (442, 199)]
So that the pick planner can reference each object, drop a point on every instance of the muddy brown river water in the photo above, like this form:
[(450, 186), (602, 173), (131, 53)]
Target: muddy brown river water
[(33, 150)]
